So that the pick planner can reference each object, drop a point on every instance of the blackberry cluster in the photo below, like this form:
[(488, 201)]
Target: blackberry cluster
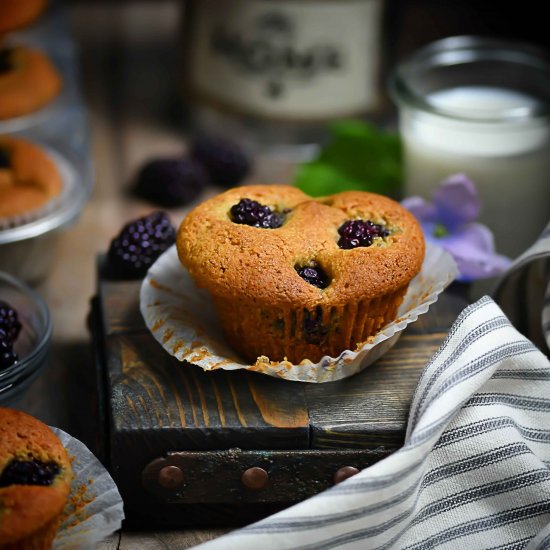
[(314, 275), (28, 472), (139, 244), (225, 162), (171, 182), (9, 321), (356, 233), (249, 212), (7, 354), (10, 327), (179, 181)]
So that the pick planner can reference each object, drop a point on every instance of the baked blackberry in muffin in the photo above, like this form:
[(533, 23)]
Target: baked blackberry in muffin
[(296, 277), (35, 478)]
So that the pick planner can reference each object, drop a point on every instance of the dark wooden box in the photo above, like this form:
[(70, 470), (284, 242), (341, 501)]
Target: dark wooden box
[(184, 446)]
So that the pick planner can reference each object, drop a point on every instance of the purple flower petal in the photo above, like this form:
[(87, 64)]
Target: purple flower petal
[(456, 202), (448, 223), (477, 235), (422, 210), (473, 250)]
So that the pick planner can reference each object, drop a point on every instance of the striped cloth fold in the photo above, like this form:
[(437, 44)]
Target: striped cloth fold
[(474, 471)]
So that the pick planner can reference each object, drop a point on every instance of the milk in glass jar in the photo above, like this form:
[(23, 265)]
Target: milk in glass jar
[(480, 107)]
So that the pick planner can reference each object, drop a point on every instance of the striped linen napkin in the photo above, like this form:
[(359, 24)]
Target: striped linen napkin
[(474, 472)]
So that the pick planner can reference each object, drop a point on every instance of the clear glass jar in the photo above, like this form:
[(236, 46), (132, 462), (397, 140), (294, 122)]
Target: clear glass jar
[(33, 342), (480, 106)]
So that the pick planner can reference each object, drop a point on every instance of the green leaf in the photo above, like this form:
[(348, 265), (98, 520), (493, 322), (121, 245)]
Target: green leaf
[(359, 156)]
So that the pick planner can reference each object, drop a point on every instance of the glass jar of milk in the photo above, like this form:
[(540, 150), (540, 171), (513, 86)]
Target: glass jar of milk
[(480, 107)]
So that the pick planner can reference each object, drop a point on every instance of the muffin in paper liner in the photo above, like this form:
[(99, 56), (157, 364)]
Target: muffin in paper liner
[(183, 320), (54, 204), (94, 509)]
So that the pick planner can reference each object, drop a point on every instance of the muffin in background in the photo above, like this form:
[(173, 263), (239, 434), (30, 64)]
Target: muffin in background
[(35, 478), (28, 81), (15, 14), (29, 179), (296, 277)]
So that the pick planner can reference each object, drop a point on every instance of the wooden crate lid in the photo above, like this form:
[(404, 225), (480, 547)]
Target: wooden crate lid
[(176, 406)]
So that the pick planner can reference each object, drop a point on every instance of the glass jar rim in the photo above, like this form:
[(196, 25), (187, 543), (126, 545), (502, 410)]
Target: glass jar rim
[(45, 317), (464, 49)]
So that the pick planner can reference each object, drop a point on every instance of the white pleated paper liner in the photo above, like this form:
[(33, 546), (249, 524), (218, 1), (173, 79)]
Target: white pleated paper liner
[(94, 510), (183, 319), (55, 212)]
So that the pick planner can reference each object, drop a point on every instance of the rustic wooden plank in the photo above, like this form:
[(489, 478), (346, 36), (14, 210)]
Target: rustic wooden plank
[(216, 476), (111, 542), (160, 405), (168, 540), (444, 312), (192, 409), (120, 305), (370, 410)]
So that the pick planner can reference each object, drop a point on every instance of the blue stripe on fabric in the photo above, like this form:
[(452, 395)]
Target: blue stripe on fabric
[(544, 544), (470, 370), (519, 544), (308, 523), (473, 336), (461, 319), (507, 517), (511, 400), (535, 374), (356, 535), (467, 528), (304, 522), (380, 482), (475, 462), (484, 361), (473, 494), (475, 429)]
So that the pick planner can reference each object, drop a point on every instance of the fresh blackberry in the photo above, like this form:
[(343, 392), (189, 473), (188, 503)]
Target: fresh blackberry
[(171, 182), (6, 63), (139, 244), (356, 233), (314, 275), (28, 472), (249, 212), (7, 354), (225, 162), (4, 159), (9, 321)]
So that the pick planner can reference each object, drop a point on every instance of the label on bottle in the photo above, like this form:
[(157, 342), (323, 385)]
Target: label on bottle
[(286, 59)]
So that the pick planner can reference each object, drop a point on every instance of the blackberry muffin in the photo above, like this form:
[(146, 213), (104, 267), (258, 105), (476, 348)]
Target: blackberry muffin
[(296, 277), (29, 179), (28, 81), (35, 478)]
